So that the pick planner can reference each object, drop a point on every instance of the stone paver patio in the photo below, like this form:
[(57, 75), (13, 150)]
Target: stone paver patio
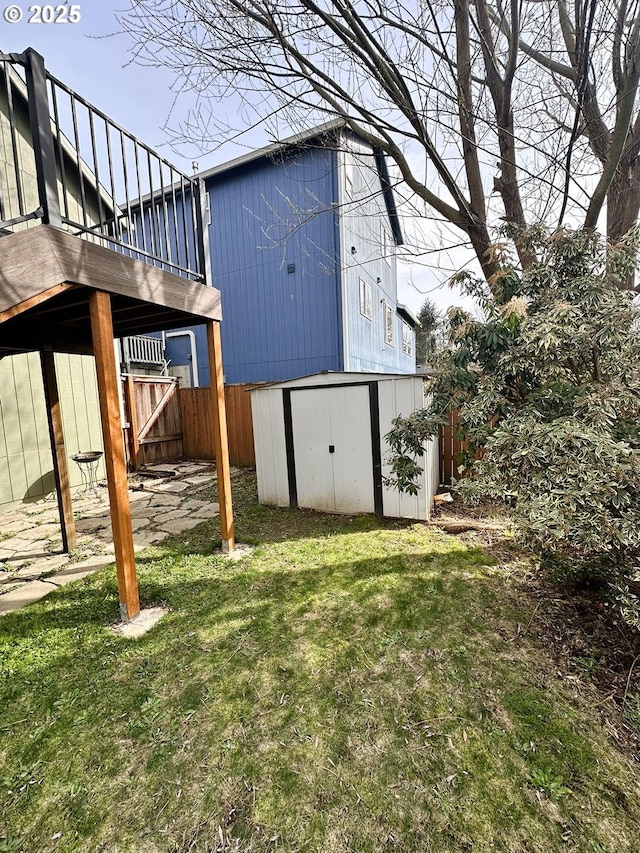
[(31, 560)]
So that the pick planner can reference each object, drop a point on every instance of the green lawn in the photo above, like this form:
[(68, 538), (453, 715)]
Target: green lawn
[(348, 686)]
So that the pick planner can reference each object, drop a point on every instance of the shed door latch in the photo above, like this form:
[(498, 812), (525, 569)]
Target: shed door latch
[(332, 448)]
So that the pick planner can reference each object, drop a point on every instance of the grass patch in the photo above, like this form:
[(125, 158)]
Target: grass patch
[(349, 686)]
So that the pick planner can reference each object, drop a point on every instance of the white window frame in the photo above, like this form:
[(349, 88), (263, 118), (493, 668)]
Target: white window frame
[(366, 298), (407, 338), (389, 323)]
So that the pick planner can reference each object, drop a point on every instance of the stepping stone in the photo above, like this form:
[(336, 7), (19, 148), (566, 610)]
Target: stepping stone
[(91, 564), (28, 547), (177, 525), (165, 500), (173, 486), (73, 573), (200, 480), (188, 470), (194, 505), (23, 595), (45, 531), (14, 526), (146, 538), (141, 508), (209, 511), (89, 525), (162, 518)]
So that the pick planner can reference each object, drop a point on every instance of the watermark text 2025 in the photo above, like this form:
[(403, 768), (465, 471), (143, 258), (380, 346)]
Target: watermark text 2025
[(60, 14)]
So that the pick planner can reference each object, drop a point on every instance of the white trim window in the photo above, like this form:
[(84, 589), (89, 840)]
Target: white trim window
[(366, 299), (407, 338), (389, 324)]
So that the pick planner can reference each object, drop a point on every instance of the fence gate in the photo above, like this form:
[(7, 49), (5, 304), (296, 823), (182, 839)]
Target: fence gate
[(153, 431)]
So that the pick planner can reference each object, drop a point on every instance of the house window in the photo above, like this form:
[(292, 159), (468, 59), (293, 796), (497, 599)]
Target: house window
[(366, 298), (407, 338), (389, 318), (385, 244)]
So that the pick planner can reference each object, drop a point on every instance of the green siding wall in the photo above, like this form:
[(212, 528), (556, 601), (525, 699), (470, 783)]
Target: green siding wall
[(26, 468)]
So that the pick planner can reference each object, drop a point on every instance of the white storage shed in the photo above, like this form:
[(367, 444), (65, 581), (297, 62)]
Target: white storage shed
[(320, 443)]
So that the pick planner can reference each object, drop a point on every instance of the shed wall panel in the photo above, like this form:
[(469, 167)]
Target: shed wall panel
[(398, 398), (271, 452)]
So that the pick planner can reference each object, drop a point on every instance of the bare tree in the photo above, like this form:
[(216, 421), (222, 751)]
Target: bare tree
[(515, 111)]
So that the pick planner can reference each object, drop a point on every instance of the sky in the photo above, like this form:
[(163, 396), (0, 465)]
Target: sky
[(92, 57)]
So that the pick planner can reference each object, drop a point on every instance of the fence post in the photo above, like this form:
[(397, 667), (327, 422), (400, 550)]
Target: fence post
[(40, 120)]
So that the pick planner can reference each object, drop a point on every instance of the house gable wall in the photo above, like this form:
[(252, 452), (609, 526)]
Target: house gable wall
[(366, 228), (273, 248)]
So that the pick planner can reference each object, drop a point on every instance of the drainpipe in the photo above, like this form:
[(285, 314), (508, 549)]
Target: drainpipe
[(194, 360)]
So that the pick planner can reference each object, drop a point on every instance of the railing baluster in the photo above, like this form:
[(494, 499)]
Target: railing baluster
[(76, 139), (187, 244), (114, 202), (58, 132), (96, 172), (165, 212), (14, 145)]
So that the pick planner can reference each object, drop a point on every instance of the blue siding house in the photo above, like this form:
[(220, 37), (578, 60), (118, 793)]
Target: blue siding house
[(303, 237)]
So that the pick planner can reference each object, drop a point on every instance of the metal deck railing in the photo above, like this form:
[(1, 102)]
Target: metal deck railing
[(65, 163)]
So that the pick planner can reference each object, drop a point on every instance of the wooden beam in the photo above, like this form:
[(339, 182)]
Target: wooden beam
[(108, 378), (33, 301), (58, 451), (220, 439), (132, 412), (60, 257)]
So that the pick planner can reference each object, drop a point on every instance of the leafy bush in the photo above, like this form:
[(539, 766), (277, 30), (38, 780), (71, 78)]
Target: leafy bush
[(549, 385)]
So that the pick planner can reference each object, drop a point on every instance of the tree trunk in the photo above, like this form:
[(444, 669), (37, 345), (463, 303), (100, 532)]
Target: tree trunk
[(623, 199)]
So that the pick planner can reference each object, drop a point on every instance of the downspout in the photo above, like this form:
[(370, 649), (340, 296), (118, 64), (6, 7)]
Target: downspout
[(192, 343)]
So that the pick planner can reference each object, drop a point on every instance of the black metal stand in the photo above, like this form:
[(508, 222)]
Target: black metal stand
[(88, 463)]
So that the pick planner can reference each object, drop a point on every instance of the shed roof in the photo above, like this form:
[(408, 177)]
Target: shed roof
[(337, 377)]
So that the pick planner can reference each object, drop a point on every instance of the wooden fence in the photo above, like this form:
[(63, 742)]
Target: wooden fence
[(196, 417), (171, 423), (451, 448)]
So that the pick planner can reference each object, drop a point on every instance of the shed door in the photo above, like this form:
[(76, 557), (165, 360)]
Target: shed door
[(338, 480)]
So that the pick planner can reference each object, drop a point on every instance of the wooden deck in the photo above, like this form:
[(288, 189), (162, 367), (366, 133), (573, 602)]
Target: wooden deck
[(47, 275), (60, 293)]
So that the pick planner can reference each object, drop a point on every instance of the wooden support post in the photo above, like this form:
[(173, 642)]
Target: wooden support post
[(58, 451), (132, 412), (108, 378), (220, 439)]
